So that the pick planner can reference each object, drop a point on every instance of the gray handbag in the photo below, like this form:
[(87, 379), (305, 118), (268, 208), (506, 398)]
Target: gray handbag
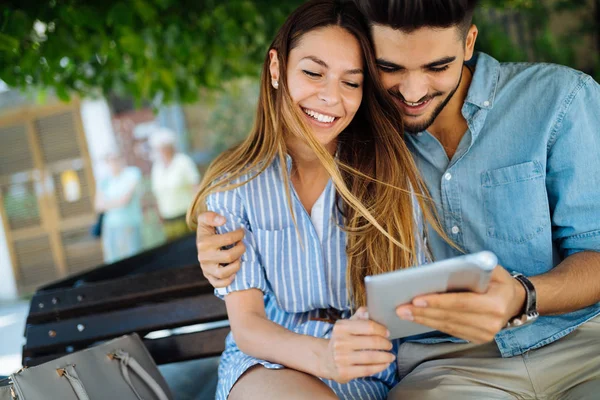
[(121, 369)]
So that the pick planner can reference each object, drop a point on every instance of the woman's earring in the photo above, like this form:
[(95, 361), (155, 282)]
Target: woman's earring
[(275, 84)]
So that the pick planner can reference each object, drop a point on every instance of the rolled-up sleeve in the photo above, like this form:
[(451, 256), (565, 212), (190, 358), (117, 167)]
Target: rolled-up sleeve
[(251, 274), (573, 171)]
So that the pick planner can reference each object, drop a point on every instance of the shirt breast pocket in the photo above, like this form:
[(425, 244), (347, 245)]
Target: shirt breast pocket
[(516, 202), (279, 252)]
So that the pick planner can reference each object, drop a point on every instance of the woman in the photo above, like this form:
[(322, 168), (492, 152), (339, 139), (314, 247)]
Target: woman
[(118, 197), (175, 180), (324, 169)]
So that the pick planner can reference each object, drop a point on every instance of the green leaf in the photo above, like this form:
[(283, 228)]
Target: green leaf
[(8, 44), (132, 43), (119, 15), (145, 10), (63, 93), (167, 78)]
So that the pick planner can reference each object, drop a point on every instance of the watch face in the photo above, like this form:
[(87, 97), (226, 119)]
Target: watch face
[(524, 319)]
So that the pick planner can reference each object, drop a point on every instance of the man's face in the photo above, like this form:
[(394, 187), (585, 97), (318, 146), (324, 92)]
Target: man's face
[(421, 69)]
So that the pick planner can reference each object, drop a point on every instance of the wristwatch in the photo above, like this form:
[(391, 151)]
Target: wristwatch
[(530, 312)]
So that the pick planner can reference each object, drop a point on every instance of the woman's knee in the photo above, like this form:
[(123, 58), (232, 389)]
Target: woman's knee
[(262, 383)]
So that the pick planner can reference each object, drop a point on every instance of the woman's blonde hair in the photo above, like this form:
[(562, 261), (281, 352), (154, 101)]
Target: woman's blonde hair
[(374, 173)]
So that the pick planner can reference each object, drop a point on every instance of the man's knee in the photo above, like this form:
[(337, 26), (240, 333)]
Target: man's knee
[(583, 391), (445, 389)]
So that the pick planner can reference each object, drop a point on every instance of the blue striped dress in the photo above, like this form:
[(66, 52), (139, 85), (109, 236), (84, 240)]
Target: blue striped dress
[(297, 277)]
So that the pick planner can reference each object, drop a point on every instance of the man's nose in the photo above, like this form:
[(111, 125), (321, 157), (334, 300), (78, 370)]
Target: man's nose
[(413, 88)]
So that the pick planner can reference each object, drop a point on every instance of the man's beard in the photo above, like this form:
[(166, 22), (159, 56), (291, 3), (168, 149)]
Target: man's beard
[(416, 128)]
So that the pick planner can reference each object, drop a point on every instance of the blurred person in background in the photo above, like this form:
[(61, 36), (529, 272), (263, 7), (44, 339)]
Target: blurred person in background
[(175, 180), (118, 197)]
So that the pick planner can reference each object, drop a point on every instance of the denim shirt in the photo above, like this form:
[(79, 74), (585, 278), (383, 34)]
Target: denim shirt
[(524, 181)]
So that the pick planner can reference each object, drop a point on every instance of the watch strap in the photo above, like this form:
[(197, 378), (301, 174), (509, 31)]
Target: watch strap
[(530, 312)]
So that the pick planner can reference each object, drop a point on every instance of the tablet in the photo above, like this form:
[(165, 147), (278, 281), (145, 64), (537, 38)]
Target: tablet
[(387, 291)]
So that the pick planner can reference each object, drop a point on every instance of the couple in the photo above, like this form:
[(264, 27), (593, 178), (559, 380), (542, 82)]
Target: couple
[(325, 191)]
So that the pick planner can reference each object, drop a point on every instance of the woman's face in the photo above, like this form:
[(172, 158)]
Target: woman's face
[(325, 80), (115, 164)]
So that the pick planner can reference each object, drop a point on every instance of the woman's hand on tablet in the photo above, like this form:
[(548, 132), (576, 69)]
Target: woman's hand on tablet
[(358, 347), (466, 315)]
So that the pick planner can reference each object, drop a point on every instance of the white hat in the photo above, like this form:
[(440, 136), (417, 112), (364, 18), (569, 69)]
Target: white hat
[(163, 137)]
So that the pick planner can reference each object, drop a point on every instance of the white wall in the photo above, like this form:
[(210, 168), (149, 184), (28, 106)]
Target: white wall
[(8, 287), (99, 133)]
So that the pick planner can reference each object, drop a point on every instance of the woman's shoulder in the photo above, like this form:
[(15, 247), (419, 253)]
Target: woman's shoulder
[(249, 188), (259, 174)]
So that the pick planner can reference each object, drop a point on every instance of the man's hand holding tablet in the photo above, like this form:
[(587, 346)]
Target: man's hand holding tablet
[(469, 297)]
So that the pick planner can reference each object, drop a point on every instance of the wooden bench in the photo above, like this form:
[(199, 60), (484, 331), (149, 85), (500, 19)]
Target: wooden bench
[(159, 289)]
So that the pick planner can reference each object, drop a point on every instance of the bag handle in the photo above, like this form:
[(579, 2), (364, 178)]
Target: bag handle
[(127, 362), (7, 392), (70, 373)]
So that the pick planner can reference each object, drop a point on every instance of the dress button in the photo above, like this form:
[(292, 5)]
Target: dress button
[(486, 103), (447, 176), (455, 229)]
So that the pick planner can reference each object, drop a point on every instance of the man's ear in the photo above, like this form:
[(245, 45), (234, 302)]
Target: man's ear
[(470, 42), (274, 68)]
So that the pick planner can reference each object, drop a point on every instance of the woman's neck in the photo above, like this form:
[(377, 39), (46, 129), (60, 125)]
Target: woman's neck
[(117, 171), (304, 159), (308, 175)]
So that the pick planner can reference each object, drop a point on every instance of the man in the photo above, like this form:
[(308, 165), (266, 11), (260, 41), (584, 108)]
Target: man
[(510, 154)]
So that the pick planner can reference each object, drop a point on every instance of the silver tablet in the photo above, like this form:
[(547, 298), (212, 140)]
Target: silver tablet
[(387, 291)]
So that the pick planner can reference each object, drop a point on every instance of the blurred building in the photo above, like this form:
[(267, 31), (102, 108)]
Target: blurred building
[(47, 187), (50, 160)]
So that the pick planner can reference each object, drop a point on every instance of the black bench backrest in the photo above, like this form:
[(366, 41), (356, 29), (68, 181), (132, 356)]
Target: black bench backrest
[(162, 288)]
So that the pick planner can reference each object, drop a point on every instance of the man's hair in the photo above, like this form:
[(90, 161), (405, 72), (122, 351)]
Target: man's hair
[(410, 15)]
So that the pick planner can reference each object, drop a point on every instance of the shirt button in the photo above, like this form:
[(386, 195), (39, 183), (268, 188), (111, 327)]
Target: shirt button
[(448, 176), (455, 229), (486, 103)]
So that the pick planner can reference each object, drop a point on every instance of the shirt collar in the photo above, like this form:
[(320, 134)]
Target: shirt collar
[(484, 84), (288, 161)]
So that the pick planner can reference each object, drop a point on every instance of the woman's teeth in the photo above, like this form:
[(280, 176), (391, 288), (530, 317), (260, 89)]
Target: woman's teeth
[(319, 117)]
